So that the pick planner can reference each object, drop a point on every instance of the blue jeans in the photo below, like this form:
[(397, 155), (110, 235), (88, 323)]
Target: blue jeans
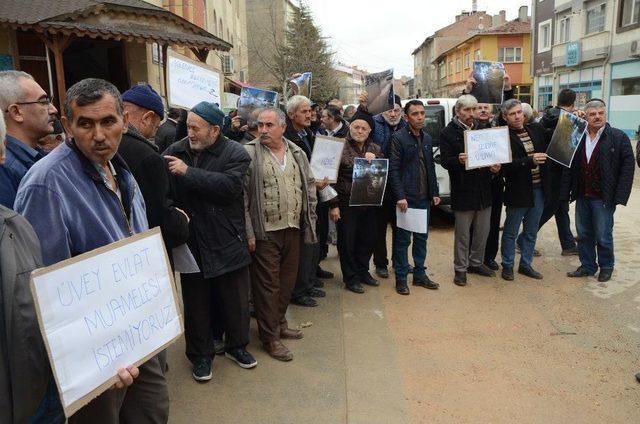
[(594, 222), (50, 409), (402, 239), (530, 220)]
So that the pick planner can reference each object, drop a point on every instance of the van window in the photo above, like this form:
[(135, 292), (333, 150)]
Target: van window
[(434, 122)]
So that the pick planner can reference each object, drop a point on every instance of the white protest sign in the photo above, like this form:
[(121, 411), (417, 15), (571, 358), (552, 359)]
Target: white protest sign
[(191, 82), (414, 220), (487, 147), (104, 310), (325, 158)]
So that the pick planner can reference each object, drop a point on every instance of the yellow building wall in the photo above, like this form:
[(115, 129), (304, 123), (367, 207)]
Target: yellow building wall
[(489, 48)]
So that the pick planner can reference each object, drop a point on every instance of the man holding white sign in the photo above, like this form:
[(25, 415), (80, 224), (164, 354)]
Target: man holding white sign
[(93, 200), (470, 189)]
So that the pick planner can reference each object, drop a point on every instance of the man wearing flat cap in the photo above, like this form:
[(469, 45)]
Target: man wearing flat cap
[(209, 171)]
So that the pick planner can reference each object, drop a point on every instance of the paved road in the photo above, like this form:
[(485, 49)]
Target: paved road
[(555, 351)]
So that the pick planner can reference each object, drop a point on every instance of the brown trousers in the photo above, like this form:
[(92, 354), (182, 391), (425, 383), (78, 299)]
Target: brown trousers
[(146, 401), (273, 276)]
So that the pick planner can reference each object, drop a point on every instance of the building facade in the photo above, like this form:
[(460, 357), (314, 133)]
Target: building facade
[(350, 82), (424, 71), (594, 51), (509, 43)]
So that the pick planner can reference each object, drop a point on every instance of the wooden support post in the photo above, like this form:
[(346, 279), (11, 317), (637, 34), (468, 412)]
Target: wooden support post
[(201, 54), (58, 43)]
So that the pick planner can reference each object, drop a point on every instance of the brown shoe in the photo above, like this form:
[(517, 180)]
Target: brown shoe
[(288, 333), (278, 351)]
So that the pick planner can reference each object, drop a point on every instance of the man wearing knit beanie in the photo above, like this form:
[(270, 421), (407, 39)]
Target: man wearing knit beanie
[(209, 170)]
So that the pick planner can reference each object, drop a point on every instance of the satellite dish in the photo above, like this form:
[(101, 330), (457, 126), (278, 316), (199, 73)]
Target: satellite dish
[(480, 26)]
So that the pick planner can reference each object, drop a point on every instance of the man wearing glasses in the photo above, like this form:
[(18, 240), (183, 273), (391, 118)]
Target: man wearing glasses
[(29, 116)]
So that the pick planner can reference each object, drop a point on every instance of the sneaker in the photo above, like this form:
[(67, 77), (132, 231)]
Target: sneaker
[(382, 272), (482, 270), (241, 357), (218, 346), (572, 251), (202, 369)]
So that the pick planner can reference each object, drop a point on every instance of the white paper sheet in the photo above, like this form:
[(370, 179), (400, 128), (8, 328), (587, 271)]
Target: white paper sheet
[(414, 220), (487, 147), (183, 260), (325, 158)]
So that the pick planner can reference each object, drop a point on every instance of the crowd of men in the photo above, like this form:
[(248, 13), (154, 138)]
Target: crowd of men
[(244, 201)]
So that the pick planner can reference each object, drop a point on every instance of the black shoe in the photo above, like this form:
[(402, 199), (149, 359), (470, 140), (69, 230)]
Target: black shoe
[(425, 282), (202, 369), (638, 377), (218, 346), (605, 275), (370, 281), (402, 288), (241, 357), (318, 283), (321, 273), (572, 251), (314, 292), (529, 272), (307, 301), (507, 273), (580, 272), (355, 287), (382, 272), (481, 270), (493, 265), (460, 279)]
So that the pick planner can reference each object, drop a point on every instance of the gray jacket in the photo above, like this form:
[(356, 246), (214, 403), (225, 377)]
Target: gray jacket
[(253, 185), (24, 367)]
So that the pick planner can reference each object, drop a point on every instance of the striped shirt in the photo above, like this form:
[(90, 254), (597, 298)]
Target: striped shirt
[(530, 149)]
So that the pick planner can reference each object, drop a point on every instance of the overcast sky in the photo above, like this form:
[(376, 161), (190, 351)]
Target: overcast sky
[(381, 34)]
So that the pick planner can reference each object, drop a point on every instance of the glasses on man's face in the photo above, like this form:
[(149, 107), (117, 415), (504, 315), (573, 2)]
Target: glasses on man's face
[(45, 101)]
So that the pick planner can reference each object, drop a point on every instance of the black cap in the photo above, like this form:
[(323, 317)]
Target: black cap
[(365, 116)]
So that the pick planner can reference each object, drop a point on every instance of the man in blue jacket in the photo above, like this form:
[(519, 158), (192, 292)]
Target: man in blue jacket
[(29, 116), (80, 197), (600, 179), (413, 180)]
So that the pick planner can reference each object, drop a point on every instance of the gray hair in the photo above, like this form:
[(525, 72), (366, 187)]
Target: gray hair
[(10, 88), (89, 91), (594, 104), (464, 101), (527, 110), (507, 105), (295, 102), (282, 119)]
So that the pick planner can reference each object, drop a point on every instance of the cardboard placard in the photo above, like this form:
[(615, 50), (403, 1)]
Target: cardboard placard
[(325, 158), (487, 147), (190, 82), (104, 310)]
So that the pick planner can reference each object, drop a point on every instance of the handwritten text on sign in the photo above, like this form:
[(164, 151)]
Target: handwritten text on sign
[(487, 147), (103, 311), (191, 83)]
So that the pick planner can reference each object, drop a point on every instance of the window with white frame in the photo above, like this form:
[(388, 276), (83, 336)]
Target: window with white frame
[(630, 12), (458, 65), (596, 18), (510, 54), (442, 71), (544, 36), (563, 31), (476, 55), (466, 60), (450, 68)]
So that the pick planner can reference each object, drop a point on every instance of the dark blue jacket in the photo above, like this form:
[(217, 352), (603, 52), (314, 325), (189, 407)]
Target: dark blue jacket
[(19, 159), (382, 133), (616, 168), (72, 211), (404, 166)]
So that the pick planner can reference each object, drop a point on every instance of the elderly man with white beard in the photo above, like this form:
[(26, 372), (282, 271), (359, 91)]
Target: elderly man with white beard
[(384, 125)]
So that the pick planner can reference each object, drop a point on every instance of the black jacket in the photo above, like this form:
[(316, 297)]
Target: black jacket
[(518, 189), (166, 135), (616, 168), (150, 171), (292, 135), (211, 192), (470, 190), (404, 166)]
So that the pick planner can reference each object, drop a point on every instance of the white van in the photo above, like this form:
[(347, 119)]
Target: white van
[(438, 114)]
